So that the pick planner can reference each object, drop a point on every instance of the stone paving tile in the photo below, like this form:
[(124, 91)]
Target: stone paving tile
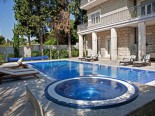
[(14, 102), (116, 63), (13, 99), (147, 94)]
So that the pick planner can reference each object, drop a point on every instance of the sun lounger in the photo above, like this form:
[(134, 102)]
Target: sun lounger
[(15, 64), (128, 61), (82, 58), (144, 62), (92, 58), (17, 72)]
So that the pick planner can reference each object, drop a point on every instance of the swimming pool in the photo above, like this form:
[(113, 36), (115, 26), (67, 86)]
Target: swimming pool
[(91, 92), (61, 70)]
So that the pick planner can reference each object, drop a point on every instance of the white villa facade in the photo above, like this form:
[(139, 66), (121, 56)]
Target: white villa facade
[(117, 29)]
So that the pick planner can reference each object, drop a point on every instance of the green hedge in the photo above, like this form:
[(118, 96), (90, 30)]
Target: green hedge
[(75, 53), (63, 53), (36, 53), (10, 56), (1, 57)]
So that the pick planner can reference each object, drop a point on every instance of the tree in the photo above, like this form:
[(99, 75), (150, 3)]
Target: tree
[(32, 16), (50, 38), (2, 40), (66, 7), (16, 42), (22, 41), (41, 10), (74, 35), (23, 15), (61, 21), (9, 42), (79, 14)]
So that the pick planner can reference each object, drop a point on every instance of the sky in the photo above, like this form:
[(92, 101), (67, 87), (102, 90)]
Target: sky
[(7, 19)]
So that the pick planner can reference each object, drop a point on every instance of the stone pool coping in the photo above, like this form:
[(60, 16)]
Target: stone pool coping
[(143, 105)]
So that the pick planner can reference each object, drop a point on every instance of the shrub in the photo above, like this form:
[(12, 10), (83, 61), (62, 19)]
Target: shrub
[(36, 53), (75, 53), (1, 57), (10, 56), (47, 52), (63, 54), (54, 54)]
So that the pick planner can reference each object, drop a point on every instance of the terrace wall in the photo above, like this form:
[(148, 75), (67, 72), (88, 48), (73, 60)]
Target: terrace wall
[(25, 51)]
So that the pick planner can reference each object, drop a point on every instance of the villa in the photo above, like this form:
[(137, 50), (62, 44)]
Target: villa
[(117, 29)]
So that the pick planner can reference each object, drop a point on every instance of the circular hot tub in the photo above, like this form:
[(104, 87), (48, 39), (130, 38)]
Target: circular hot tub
[(91, 92)]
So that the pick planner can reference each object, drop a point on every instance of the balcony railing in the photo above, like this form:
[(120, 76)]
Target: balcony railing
[(143, 10), (82, 27), (139, 12), (84, 2)]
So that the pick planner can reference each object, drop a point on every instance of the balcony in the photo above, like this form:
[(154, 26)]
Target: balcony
[(136, 13), (82, 27), (87, 4), (144, 10)]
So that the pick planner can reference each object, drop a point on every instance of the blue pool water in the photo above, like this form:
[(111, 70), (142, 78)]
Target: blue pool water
[(91, 92), (61, 70), (87, 89)]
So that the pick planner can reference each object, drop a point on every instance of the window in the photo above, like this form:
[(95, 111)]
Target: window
[(153, 7), (95, 18), (143, 10), (148, 8)]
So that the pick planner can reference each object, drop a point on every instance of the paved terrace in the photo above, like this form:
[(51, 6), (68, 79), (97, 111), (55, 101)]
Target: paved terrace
[(15, 102)]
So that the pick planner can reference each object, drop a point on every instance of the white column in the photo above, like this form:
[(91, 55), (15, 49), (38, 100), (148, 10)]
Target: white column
[(80, 46), (113, 44), (141, 40), (94, 43)]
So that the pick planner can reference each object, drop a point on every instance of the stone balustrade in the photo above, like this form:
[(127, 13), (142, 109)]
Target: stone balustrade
[(127, 14)]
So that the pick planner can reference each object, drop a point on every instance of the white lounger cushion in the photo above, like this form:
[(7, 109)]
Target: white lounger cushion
[(13, 64)]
